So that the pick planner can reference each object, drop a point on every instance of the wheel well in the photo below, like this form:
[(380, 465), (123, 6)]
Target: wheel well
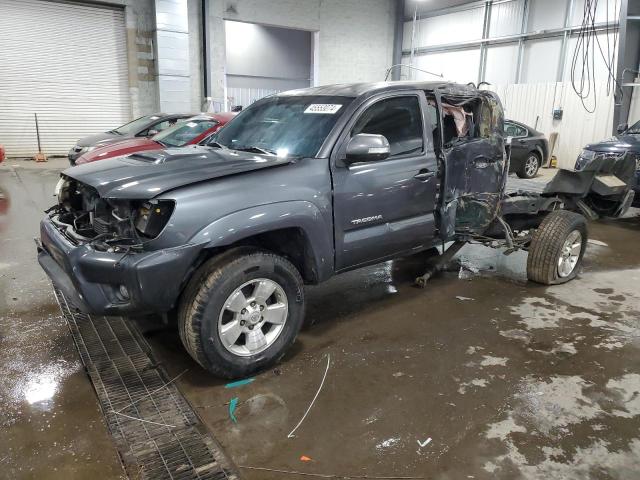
[(537, 153), (291, 243)]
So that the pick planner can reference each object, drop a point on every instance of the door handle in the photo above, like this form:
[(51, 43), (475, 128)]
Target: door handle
[(424, 175), (521, 141), (481, 161)]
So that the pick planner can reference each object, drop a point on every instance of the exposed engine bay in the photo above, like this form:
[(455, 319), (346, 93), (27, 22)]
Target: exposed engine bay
[(108, 224)]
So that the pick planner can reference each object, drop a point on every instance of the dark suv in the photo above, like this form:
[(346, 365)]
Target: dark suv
[(298, 187), (627, 141)]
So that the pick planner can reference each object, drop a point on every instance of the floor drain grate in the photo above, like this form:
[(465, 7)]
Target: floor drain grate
[(157, 433)]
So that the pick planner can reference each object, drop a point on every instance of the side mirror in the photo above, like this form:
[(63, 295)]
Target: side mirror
[(509, 140), (622, 127), (152, 132), (367, 147)]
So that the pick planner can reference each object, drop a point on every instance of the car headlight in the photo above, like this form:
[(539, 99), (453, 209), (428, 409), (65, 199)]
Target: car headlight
[(585, 157), (152, 216), (59, 185), (61, 192)]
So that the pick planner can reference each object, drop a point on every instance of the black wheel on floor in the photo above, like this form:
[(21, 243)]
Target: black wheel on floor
[(530, 167), (241, 311), (557, 247)]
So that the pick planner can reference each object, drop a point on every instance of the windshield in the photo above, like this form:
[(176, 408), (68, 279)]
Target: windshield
[(183, 133), (634, 129), (286, 126), (136, 125)]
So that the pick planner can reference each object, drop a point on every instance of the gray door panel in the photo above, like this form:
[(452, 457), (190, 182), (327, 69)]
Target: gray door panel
[(381, 208)]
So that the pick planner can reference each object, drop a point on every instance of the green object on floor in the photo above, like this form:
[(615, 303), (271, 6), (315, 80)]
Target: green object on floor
[(232, 408)]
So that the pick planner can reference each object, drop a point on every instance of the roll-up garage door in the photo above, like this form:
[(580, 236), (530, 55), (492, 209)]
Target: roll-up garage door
[(67, 62)]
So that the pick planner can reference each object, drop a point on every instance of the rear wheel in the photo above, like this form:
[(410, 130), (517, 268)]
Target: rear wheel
[(557, 248), (241, 312), (530, 166)]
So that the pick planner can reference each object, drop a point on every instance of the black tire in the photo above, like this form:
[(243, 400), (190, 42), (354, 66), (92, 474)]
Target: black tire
[(204, 297), (522, 171), (547, 245)]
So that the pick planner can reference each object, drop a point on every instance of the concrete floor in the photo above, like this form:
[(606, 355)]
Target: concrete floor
[(508, 379)]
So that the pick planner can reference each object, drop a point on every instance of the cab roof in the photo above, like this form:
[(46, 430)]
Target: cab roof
[(357, 89)]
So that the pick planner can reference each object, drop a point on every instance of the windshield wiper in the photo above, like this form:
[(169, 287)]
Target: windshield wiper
[(254, 149)]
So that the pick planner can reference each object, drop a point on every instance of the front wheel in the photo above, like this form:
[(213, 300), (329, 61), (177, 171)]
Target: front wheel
[(557, 248), (241, 312)]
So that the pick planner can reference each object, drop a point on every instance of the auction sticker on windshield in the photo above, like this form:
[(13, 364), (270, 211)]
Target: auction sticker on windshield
[(329, 108)]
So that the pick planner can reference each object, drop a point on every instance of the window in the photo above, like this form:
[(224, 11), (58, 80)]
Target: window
[(131, 127), (289, 126), (183, 132), (513, 130), (398, 119)]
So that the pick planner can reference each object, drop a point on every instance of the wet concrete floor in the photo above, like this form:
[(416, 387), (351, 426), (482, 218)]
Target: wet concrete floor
[(508, 379)]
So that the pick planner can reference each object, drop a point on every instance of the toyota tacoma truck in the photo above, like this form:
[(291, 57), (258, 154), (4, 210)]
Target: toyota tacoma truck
[(301, 186)]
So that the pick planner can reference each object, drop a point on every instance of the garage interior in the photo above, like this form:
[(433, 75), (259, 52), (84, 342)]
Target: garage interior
[(481, 373)]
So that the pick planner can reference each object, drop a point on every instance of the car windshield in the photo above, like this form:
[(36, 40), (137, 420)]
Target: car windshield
[(287, 126), (634, 129), (136, 125), (183, 133)]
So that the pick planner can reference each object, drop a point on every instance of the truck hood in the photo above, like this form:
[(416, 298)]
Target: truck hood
[(617, 144), (148, 174)]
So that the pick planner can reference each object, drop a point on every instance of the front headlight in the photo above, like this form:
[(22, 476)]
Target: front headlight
[(152, 216), (585, 157), (61, 192)]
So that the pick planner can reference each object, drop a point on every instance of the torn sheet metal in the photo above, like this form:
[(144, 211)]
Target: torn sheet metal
[(475, 165)]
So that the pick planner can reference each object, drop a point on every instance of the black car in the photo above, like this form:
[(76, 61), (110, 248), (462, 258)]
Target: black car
[(529, 149), (627, 140), (146, 126)]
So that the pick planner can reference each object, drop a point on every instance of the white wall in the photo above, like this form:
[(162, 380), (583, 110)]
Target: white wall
[(354, 37), (527, 103), (537, 94), (634, 112)]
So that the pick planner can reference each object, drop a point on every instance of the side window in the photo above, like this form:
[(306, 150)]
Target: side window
[(512, 130), (398, 119), (157, 127)]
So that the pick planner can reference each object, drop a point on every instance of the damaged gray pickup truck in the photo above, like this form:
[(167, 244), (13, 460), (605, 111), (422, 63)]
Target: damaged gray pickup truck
[(298, 187)]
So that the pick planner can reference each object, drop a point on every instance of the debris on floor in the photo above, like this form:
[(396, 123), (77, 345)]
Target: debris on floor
[(239, 383), (232, 409), (291, 434)]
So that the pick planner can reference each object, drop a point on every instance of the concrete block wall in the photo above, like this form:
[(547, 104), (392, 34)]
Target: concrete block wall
[(140, 25), (354, 37)]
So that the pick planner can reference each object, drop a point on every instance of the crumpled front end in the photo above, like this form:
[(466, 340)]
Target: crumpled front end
[(96, 251)]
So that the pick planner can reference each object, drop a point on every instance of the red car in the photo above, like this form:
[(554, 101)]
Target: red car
[(189, 132)]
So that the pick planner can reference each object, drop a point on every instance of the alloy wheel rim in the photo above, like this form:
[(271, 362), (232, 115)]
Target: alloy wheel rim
[(253, 317), (570, 254), (531, 166)]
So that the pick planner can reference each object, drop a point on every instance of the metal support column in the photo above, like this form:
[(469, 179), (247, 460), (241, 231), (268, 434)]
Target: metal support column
[(483, 47), (628, 58), (562, 61), (523, 30), (397, 40)]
